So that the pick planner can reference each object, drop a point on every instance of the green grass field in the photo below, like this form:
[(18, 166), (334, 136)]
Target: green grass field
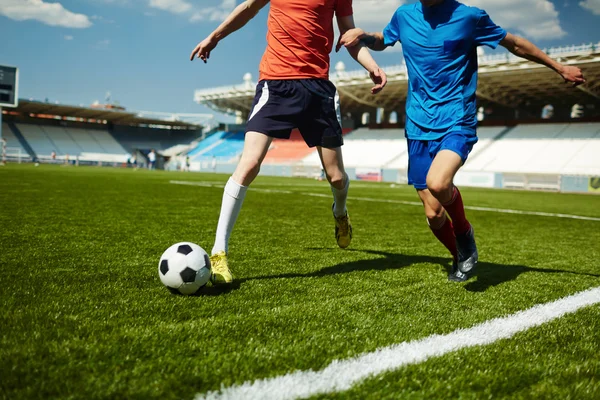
[(84, 315)]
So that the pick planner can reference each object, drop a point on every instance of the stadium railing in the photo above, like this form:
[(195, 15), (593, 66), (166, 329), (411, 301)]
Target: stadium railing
[(15, 154)]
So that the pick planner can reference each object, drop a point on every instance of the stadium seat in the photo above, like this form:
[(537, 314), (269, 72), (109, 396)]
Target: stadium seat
[(208, 143), (540, 149), (285, 151), (13, 145), (37, 139), (366, 147)]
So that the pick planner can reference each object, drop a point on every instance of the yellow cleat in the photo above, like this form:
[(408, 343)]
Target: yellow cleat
[(343, 230), (220, 269)]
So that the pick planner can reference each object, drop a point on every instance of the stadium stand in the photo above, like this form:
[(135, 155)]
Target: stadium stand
[(208, 143), (368, 148), (87, 140), (12, 143), (285, 151), (133, 138), (586, 158), (221, 145), (231, 147), (75, 143), (532, 149), (36, 138), (62, 140), (542, 149)]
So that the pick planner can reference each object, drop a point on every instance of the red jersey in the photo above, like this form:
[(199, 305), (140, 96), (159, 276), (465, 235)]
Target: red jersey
[(300, 38)]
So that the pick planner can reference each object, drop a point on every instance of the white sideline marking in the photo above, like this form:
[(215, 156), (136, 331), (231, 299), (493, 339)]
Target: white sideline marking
[(341, 375), (408, 203)]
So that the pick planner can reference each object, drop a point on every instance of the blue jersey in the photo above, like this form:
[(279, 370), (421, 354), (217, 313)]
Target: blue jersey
[(440, 49)]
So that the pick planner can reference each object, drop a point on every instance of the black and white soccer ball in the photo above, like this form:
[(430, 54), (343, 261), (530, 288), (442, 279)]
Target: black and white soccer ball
[(184, 268)]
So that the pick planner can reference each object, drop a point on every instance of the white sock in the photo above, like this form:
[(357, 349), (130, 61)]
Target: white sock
[(233, 198), (339, 199)]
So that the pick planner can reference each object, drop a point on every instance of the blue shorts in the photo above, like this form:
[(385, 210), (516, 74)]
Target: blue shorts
[(311, 105), (422, 152)]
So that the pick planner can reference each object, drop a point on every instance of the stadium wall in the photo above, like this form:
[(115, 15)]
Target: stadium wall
[(490, 180)]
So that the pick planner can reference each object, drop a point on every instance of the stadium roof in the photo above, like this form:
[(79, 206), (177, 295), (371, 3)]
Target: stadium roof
[(38, 109), (504, 79)]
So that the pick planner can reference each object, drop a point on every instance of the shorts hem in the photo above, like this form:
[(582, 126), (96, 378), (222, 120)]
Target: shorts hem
[(464, 159), (419, 186)]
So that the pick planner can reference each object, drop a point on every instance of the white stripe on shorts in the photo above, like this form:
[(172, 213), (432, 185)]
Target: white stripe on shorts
[(264, 98), (338, 112)]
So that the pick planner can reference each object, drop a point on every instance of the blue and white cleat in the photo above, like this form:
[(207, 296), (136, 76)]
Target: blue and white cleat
[(467, 252), (455, 275)]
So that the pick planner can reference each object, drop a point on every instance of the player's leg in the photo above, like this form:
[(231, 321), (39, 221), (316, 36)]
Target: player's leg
[(419, 163), (321, 126), (256, 146), (272, 113), (333, 165), (453, 152), (441, 227)]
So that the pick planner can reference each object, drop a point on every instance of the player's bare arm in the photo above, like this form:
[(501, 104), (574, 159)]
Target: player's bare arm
[(236, 20), (353, 37), (525, 49), (360, 53)]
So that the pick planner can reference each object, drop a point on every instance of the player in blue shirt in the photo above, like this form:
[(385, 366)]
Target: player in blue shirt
[(439, 40)]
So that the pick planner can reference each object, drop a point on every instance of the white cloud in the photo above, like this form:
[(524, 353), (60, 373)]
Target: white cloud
[(102, 19), (535, 19), (592, 5), (53, 14), (374, 15), (174, 6), (103, 44), (68, 37), (214, 13)]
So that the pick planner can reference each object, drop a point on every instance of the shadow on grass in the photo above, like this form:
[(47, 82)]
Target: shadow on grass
[(486, 275)]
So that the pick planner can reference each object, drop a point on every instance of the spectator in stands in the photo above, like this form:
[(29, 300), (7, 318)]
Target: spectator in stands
[(151, 159), (577, 111), (548, 111), (3, 150), (294, 91), (439, 40)]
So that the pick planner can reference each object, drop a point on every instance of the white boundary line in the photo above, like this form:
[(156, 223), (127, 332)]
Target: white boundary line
[(341, 375), (408, 203)]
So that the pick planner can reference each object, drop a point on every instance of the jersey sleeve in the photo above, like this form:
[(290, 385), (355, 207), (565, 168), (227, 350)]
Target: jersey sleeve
[(343, 8), (391, 33), (487, 33)]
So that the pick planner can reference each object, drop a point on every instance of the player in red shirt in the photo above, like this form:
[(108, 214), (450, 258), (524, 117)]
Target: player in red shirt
[(294, 91)]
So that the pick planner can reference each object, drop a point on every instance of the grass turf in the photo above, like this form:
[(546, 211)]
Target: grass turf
[(84, 314)]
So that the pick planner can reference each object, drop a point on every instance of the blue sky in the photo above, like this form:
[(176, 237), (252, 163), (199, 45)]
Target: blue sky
[(74, 51)]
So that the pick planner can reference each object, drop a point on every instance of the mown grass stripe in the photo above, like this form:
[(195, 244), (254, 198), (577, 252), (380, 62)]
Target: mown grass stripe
[(407, 203), (341, 375)]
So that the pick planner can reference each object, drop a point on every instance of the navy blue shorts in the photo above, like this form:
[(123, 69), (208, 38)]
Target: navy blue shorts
[(311, 105), (422, 152)]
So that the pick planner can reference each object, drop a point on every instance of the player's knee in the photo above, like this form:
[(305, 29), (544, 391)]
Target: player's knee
[(435, 216), (439, 188), (336, 179), (247, 171)]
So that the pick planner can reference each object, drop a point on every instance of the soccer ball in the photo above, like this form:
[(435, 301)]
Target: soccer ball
[(184, 268)]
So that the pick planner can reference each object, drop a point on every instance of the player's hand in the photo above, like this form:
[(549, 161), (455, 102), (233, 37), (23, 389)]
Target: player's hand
[(379, 78), (573, 75), (202, 51), (350, 38)]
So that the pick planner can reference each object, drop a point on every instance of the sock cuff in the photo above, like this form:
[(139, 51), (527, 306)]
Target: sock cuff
[(346, 187), (455, 194), (234, 189), (440, 225)]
